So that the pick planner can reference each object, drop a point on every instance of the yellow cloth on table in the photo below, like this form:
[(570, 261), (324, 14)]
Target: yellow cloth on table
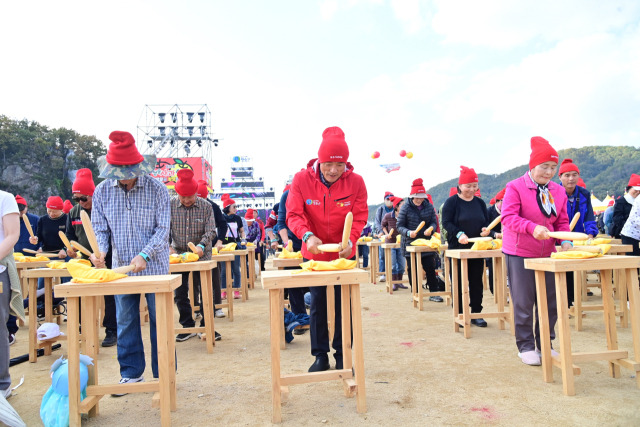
[(286, 254), (365, 239), (181, 258), (18, 255), (30, 258), (250, 244), (398, 238), (487, 246), (598, 241), (574, 255), (336, 264), (230, 247), (214, 251), (290, 246), (84, 274), (59, 265), (433, 242)]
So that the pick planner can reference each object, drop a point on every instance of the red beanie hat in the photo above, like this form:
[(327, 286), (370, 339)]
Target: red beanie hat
[(227, 200), (568, 166), (611, 203), (467, 176), (581, 183), (249, 215), (541, 152), (417, 189), (286, 187), (634, 181), (333, 147), (83, 183), (203, 190), (55, 202), (429, 198), (500, 194), (395, 200), (122, 150), (388, 194), (186, 185), (21, 200), (492, 201), (453, 191), (478, 193), (67, 206)]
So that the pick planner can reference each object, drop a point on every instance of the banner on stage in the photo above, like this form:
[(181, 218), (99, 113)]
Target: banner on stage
[(167, 168)]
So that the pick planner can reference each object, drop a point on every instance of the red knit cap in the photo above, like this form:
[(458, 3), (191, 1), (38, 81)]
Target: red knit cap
[(333, 147), (500, 194), (67, 206), (83, 183), (249, 215), (286, 187), (395, 200), (581, 183), (429, 198), (492, 201), (388, 194), (21, 200), (55, 202), (453, 191), (122, 150), (417, 189), (186, 185), (568, 166), (634, 181), (227, 200), (541, 152), (611, 203), (467, 176), (478, 194), (203, 189)]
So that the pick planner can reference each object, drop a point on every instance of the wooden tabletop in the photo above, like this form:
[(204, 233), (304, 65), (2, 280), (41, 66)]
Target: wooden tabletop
[(469, 254), (192, 266), (287, 279), (390, 245), (34, 264), (374, 243), (224, 256), (606, 262), (411, 248), (236, 252), (287, 262), (127, 285), (45, 272)]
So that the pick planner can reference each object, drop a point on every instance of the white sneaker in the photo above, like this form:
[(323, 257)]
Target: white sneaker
[(219, 313), (6, 393), (383, 278), (128, 381), (530, 358), (553, 353)]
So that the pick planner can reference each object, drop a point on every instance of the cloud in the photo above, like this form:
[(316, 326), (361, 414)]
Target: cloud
[(411, 14)]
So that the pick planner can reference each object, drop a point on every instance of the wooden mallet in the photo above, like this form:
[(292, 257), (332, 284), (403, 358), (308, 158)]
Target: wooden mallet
[(80, 248), (335, 247), (574, 221), (192, 247), (419, 227), (63, 237), (124, 269), (494, 223), (91, 236), (48, 255), (28, 225)]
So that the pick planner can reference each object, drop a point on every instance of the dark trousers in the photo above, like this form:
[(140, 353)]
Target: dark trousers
[(476, 270), (217, 289), (489, 262), (319, 329), (263, 256), (570, 287), (364, 252), (110, 321), (296, 297), (429, 266), (181, 298)]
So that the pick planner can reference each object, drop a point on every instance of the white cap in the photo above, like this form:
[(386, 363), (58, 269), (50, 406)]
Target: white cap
[(47, 331)]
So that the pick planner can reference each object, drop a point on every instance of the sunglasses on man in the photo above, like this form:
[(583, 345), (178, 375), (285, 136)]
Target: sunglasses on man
[(81, 199)]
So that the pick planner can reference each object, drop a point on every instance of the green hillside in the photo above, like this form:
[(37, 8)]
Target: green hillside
[(604, 169)]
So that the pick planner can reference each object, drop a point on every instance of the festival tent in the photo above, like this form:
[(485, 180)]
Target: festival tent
[(597, 205)]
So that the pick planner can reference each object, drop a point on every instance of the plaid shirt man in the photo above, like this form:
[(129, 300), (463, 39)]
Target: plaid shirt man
[(136, 221), (192, 224)]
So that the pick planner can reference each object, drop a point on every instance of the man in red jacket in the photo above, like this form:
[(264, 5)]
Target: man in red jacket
[(319, 200)]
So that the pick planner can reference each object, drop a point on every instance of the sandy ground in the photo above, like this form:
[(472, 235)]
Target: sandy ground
[(418, 372)]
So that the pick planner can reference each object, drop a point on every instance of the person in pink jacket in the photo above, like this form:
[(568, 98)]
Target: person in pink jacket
[(532, 207)]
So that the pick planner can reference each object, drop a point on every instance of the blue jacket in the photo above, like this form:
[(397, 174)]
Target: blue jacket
[(582, 203), (282, 224), (23, 241)]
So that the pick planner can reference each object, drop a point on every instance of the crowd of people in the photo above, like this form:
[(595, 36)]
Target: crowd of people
[(138, 222)]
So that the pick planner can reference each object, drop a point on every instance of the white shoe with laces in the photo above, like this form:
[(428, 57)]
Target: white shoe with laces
[(530, 358), (127, 381), (553, 353), (219, 313)]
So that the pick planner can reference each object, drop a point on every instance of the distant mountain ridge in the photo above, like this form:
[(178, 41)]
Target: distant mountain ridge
[(604, 169)]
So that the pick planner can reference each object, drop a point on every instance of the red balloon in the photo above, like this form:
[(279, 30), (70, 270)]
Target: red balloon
[(403, 153)]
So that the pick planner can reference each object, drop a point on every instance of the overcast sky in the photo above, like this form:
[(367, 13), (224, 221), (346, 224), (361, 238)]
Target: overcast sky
[(454, 82)]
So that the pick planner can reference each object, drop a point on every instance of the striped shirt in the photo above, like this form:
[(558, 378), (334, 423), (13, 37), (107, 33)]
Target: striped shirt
[(135, 221), (193, 224)]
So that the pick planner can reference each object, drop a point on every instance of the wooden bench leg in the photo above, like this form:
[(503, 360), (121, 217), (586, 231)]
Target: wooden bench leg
[(206, 291), (466, 310), (276, 325), (361, 397), (33, 320), (498, 288), (564, 335), (163, 311), (543, 321), (631, 276), (345, 309), (387, 263), (331, 317), (73, 306), (454, 287), (609, 312), (418, 281)]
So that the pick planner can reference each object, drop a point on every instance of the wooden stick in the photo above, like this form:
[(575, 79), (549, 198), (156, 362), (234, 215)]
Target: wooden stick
[(124, 270), (48, 255), (63, 237), (389, 233), (28, 225), (494, 222), (81, 248), (419, 227), (192, 247), (91, 236), (567, 235), (428, 230), (574, 221), (348, 221)]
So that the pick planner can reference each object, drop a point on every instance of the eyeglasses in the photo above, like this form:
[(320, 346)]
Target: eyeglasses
[(81, 199)]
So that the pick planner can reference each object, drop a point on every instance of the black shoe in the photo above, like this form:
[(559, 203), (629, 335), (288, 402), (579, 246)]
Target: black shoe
[(338, 358), (184, 337), (479, 322), (299, 331), (321, 364), (110, 339), (589, 293), (218, 336)]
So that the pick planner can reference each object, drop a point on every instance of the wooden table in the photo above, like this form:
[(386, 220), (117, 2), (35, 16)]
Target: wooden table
[(352, 373), (206, 288), (227, 259), (388, 261), (251, 266), (499, 287), (374, 260), (281, 264), (418, 294), (21, 266), (616, 358), (31, 276), (580, 288), (163, 287), (242, 253)]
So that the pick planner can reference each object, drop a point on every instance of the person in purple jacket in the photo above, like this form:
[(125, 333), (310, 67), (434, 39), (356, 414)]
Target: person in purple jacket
[(532, 207)]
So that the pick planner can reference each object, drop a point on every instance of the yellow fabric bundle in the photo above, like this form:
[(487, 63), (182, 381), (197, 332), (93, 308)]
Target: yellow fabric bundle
[(185, 257), (214, 251), (487, 246), (574, 255), (336, 264), (286, 254), (230, 247), (398, 238), (365, 239), (59, 265), (84, 274), (250, 244), (598, 241), (30, 258), (433, 242), (17, 255)]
